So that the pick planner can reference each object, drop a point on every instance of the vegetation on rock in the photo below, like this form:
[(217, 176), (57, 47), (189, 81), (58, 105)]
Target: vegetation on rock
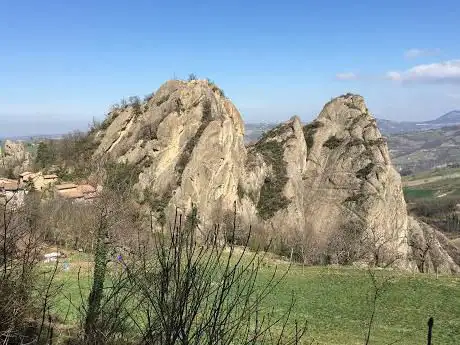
[(309, 132), (271, 197), (187, 152), (333, 142)]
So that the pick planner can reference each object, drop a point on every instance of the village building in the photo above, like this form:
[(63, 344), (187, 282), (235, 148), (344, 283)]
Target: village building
[(74, 192), (12, 192), (38, 180)]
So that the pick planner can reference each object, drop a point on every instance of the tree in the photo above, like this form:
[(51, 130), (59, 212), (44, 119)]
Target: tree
[(46, 154), (148, 96), (346, 246), (25, 295), (378, 288), (111, 225)]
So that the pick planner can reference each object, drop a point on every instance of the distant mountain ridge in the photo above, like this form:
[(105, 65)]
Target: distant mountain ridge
[(451, 118), (425, 150), (253, 131)]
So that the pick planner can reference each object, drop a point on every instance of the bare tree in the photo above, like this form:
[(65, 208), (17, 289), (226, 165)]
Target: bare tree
[(421, 244), (346, 245), (381, 246), (194, 292), (379, 286), (174, 288), (25, 296)]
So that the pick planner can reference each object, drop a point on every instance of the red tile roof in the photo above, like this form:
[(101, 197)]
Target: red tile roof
[(52, 176), (65, 186), (72, 193), (10, 186), (86, 188)]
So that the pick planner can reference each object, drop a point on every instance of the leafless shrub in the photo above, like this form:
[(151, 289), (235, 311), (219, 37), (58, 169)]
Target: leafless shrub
[(346, 245), (175, 288), (25, 295)]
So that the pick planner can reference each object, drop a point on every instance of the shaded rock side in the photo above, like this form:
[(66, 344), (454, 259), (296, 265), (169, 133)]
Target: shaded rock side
[(271, 188)]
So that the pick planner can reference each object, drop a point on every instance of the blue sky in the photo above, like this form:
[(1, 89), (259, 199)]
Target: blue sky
[(63, 62)]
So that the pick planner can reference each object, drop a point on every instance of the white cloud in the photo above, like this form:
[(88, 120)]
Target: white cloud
[(454, 95), (442, 72), (393, 76), (346, 76), (415, 52)]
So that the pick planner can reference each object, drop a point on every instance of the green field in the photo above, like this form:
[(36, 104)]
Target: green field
[(414, 193), (335, 302), (435, 184)]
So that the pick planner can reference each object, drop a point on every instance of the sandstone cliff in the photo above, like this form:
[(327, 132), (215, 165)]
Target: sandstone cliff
[(14, 157), (188, 142), (330, 179)]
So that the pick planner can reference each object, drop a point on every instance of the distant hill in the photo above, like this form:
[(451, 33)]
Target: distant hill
[(29, 138), (253, 131), (391, 127), (425, 150), (452, 117)]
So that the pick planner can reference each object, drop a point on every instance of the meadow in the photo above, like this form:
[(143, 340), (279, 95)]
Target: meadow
[(335, 302)]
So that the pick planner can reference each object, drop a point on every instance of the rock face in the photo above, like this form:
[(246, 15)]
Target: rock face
[(330, 183), (15, 157), (188, 142)]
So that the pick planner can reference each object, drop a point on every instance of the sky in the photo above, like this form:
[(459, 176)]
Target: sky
[(64, 62)]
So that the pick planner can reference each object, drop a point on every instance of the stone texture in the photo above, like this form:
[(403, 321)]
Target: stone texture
[(15, 157), (188, 141)]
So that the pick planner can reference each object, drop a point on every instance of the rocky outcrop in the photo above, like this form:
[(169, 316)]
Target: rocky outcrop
[(14, 157), (187, 141), (329, 180), (350, 177)]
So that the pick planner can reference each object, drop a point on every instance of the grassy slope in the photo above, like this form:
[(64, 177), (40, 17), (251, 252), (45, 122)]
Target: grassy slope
[(334, 301)]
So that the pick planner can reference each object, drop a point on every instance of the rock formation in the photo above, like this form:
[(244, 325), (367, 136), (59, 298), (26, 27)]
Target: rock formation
[(331, 176), (14, 157)]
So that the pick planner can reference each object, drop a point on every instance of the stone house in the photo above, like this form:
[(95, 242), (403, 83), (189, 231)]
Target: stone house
[(38, 180), (11, 192), (74, 192)]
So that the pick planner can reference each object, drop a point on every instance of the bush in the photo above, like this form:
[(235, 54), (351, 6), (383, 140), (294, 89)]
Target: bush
[(363, 172), (203, 293), (271, 197), (309, 132), (121, 177), (184, 158), (435, 207), (406, 172), (333, 142)]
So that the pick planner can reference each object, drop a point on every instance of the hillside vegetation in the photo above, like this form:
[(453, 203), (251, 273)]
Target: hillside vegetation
[(434, 196), (418, 151)]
